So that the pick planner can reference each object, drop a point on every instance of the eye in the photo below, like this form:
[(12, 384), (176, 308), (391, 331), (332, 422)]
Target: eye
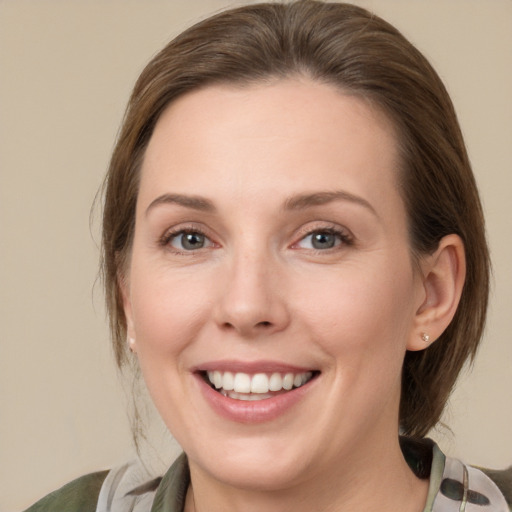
[(323, 239), (188, 240)]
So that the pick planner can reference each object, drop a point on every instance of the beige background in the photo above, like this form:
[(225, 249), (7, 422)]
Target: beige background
[(66, 69)]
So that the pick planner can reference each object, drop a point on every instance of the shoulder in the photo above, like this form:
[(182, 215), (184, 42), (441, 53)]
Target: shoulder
[(454, 485), (503, 479), (126, 487), (80, 495), (472, 489)]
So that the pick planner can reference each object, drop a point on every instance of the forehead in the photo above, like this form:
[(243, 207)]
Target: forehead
[(289, 134)]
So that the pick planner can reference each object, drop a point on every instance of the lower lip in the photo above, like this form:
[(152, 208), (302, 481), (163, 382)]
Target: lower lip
[(258, 411)]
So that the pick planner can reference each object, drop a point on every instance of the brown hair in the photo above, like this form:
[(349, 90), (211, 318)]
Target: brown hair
[(359, 53)]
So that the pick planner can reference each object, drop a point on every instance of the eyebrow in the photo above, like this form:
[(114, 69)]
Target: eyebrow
[(193, 202), (304, 201), (298, 202)]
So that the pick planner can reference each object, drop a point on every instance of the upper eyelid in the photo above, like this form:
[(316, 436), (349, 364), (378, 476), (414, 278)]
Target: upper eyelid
[(336, 230), (323, 226), (187, 227)]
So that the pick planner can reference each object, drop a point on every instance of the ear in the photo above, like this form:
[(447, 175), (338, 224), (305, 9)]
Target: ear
[(442, 274), (124, 288)]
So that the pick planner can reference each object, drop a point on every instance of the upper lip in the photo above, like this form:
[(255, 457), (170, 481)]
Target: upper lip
[(251, 367)]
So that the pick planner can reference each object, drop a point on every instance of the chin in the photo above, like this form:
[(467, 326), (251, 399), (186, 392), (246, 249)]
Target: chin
[(253, 470)]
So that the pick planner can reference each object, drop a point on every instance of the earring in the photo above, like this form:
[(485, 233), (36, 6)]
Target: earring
[(131, 344), (425, 337)]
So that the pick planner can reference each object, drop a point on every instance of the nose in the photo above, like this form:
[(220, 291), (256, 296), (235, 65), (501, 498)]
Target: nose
[(252, 301)]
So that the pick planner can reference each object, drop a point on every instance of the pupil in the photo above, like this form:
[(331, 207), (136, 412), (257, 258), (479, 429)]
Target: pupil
[(323, 240), (192, 241)]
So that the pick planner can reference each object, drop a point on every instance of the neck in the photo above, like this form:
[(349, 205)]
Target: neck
[(366, 479)]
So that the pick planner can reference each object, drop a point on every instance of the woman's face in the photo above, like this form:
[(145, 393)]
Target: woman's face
[(271, 251)]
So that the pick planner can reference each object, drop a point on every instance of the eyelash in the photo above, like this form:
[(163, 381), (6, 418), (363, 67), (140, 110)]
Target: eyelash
[(344, 237), (169, 236)]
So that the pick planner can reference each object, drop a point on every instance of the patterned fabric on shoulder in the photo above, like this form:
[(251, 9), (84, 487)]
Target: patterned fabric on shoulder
[(467, 489)]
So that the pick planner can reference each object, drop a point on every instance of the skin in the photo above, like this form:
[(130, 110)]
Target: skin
[(259, 290)]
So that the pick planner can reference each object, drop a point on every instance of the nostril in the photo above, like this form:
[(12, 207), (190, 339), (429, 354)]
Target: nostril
[(247, 329)]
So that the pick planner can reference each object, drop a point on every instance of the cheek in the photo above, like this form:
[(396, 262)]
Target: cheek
[(168, 309), (361, 310)]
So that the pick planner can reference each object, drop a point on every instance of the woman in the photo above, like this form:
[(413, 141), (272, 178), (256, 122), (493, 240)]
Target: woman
[(294, 253)]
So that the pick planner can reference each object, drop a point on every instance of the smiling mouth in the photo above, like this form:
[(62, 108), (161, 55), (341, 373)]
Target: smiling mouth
[(258, 386)]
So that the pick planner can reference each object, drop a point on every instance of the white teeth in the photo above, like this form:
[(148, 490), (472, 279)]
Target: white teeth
[(248, 397), (275, 382), (288, 381), (259, 383), (217, 379), (243, 386), (242, 383), (228, 381)]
